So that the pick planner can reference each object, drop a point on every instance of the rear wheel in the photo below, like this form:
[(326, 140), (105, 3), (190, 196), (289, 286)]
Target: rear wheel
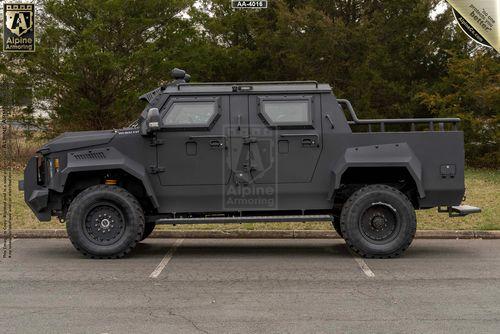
[(105, 222), (378, 221), (336, 225)]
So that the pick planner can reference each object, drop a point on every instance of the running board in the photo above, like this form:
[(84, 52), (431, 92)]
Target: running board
[(460, 210), (249, 219)]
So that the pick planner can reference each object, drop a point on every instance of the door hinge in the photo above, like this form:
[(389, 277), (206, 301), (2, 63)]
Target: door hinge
[(156, 170)]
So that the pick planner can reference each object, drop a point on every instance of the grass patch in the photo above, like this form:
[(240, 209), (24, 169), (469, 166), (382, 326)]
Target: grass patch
[(483, 189)]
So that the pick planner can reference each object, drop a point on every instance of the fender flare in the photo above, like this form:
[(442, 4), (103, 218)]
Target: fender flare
[(105, 159), (384, 155)]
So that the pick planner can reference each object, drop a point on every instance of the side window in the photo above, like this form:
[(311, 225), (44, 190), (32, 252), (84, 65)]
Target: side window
[(286, 112), (191, 114)]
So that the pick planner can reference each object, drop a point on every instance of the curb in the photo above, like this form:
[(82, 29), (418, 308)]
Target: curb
[(269, 234)]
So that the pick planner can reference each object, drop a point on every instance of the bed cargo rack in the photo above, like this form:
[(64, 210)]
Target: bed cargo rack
[(382, 122)]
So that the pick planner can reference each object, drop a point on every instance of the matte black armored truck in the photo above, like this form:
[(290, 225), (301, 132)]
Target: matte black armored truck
[(249, 152)]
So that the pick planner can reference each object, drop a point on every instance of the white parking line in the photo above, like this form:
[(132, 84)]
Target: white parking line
[(5, 248), (166, 259), (362, 264)]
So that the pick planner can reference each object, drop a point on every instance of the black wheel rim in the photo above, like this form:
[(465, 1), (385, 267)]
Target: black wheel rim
[(379, 223), (104, 224)]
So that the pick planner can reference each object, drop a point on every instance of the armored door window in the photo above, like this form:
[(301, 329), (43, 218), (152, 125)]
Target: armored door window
[(286, 112), (191, 114)]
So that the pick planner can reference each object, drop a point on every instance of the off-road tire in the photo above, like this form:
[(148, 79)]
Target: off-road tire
[(361, 212), (148, 229), (336, 226), (82, 230)]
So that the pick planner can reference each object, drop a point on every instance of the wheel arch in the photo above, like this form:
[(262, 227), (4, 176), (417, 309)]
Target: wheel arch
[(77, 180), (100, 161), (377, 164)]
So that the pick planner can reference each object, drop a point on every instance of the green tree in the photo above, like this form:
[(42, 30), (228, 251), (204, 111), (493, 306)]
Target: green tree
[(95, 57), (390, 58), (471, 90), (377, 53)]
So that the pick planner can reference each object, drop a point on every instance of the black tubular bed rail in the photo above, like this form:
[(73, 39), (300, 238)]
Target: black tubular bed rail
[(412, 121)]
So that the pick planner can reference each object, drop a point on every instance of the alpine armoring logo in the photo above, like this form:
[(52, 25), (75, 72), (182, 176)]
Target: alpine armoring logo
[(19, 27)]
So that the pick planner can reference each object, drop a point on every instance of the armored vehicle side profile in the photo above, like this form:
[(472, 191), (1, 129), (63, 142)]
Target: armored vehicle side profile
[(249, 152)]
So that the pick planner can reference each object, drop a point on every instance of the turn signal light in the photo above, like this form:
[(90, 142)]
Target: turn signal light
[(56, 164)]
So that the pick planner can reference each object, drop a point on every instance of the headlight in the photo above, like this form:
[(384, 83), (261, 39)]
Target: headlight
[(40, 170), (56, 165), (52, 166)]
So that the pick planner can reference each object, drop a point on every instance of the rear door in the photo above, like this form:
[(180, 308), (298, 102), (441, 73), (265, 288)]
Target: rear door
[(287, 138), (192, 144)]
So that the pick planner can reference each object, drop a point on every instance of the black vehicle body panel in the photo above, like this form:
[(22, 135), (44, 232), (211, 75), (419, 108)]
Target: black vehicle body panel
[(189, 170), (75, 140), (36, 196)]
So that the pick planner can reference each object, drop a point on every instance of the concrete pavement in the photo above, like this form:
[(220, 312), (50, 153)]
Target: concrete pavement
[(251, 286)]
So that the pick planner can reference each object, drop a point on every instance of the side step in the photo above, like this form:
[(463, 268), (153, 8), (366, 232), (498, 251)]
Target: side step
[(460, 210), (249, 219)]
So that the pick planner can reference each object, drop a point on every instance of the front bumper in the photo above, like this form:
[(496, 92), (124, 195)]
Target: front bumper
[(36, 196)]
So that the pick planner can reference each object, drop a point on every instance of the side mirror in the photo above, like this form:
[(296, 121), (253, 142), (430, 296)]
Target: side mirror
[(153, 120)]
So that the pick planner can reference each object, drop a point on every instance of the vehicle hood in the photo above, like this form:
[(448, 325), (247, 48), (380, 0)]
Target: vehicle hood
[(76, 140)]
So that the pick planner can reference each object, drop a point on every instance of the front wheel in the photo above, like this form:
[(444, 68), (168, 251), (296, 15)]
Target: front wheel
[(378, 221), (148, 229), (105, 222)]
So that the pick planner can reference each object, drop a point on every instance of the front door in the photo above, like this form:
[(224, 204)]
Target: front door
[(193, 142)]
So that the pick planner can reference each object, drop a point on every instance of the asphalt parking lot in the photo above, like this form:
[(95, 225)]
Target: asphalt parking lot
[(251, 286)]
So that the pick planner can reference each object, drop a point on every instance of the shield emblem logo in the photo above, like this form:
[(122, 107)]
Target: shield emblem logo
[(19, 21)]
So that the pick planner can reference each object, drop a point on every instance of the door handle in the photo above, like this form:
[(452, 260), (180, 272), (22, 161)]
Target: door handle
[(216, 143), (308, 142)]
